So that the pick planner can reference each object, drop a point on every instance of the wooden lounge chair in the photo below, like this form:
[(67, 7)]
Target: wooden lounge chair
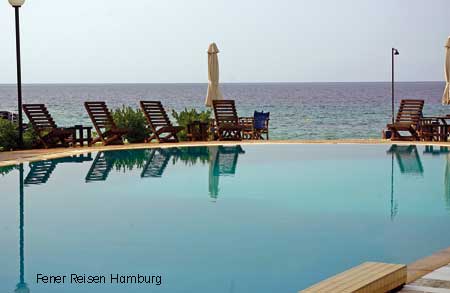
[(107, 131), (408, 120), (160, 125), (50, 135), (227, 121)]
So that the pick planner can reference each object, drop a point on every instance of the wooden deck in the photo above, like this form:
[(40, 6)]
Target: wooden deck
[(369, 277)]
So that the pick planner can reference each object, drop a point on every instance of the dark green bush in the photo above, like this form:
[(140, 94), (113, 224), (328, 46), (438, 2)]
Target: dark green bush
[(186, 117), (30, 138), (134, 121), (9, 135)]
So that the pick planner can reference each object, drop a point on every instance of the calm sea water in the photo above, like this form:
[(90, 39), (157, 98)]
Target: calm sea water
[(228, 219), (298, 110)]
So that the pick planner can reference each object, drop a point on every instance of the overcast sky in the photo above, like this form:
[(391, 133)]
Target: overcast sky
[(81, 41)]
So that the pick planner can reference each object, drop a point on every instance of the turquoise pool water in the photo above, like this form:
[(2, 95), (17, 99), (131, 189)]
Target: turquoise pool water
[(267, 218)]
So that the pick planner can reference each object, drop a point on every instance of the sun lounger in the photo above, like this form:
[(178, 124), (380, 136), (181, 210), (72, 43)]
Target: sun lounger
[(50, 135), (107, 131), (160, 125), (408, 120), (227, 121)]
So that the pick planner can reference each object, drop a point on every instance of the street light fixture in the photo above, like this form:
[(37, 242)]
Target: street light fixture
[(394, 53), (17, 4)]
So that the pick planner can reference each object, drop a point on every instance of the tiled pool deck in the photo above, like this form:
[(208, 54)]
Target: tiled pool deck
[(430, 274)]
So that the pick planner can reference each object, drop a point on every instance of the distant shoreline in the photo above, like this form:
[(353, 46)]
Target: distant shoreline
[(225, 83)]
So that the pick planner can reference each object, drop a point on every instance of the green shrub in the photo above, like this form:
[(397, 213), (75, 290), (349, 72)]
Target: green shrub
[(9, 135), (186, 117), (30, 138), (134, 121)]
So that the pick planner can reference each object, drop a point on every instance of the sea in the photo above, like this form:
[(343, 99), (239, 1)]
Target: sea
[(332, 110)]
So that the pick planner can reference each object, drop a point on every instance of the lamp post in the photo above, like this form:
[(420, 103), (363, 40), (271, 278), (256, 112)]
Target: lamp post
[(17, 4), (394, 52)]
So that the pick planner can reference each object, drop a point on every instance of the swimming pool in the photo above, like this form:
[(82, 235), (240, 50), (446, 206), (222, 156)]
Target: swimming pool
[(261, 218)]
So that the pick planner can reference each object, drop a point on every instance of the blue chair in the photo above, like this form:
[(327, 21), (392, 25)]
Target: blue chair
[(260, 125), (255, 127)]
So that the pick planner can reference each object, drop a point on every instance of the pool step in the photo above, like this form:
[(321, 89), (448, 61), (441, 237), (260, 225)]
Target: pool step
[(369, 277)]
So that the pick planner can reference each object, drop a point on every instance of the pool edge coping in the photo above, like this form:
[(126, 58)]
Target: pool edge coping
[(25, 156)]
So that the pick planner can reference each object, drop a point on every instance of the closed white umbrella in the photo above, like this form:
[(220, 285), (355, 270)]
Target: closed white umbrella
[(213, 76), (446, 96)]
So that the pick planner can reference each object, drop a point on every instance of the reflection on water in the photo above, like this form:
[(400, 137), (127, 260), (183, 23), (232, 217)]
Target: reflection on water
[(21, 287), (442, 151), (437, 151), (409, 162), (223, 162), (408, 159), (41, 171), (153, 163)]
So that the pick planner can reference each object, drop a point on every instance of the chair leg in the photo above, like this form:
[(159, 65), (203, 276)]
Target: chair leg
[(112, 139), (152, 137), (44, 143)]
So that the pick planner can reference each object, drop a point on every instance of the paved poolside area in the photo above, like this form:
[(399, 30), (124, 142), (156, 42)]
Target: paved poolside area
[(430, 274), (16, 157), (437, 281)]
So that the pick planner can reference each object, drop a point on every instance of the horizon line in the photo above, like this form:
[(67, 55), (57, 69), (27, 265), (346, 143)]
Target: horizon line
[(225, 82)]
